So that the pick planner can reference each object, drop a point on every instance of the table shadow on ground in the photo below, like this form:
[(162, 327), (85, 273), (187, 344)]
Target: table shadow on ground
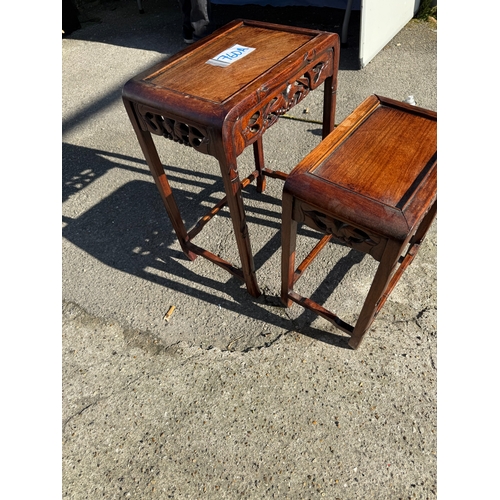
[(129, 230)]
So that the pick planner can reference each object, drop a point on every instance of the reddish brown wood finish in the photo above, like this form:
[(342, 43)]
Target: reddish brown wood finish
[(372, 185), (220, 111)]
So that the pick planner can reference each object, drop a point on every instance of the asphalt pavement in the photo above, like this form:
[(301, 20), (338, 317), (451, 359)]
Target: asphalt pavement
[(233, 397)]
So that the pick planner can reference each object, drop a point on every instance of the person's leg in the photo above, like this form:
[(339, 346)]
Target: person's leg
[(187, 28), (70, 20), (200, 17)]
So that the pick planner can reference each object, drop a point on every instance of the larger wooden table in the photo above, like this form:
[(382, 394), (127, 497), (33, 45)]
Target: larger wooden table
[(220, 111)]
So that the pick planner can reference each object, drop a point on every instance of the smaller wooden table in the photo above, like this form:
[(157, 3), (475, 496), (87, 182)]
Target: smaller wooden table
[(372, 184), (220, 111)]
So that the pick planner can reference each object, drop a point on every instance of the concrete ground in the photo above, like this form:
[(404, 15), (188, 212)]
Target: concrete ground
[(234, 397)]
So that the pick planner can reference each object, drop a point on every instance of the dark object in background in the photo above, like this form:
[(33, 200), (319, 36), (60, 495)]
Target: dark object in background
[(70, 20), (196, 16)]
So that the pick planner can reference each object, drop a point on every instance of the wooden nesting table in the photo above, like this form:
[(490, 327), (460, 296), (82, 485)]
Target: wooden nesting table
[(372, 185), (220, 111)]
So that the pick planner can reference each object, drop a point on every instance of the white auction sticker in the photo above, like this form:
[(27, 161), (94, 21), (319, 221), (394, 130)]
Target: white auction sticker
[(229, 56)]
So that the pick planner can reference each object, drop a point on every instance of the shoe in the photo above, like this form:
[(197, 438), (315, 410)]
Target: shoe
[(187, 34), (202, 30)]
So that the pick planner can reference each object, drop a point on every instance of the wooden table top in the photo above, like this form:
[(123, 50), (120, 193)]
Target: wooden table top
[(383, 157), (186, 81), (192, 75), (381, 162)]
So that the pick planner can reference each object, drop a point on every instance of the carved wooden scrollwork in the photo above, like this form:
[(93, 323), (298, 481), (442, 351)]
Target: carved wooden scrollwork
[(344, 232), (259, 120), (315, 74), (175, 130)]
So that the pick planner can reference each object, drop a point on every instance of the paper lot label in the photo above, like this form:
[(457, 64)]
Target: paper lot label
[(230, 55)]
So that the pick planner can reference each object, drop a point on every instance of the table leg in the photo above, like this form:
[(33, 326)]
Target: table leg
[(425, 225), (232, 186), (330, 95), (288, 246), (381, 282), (415, 242), (258, 153), (161, 181)]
